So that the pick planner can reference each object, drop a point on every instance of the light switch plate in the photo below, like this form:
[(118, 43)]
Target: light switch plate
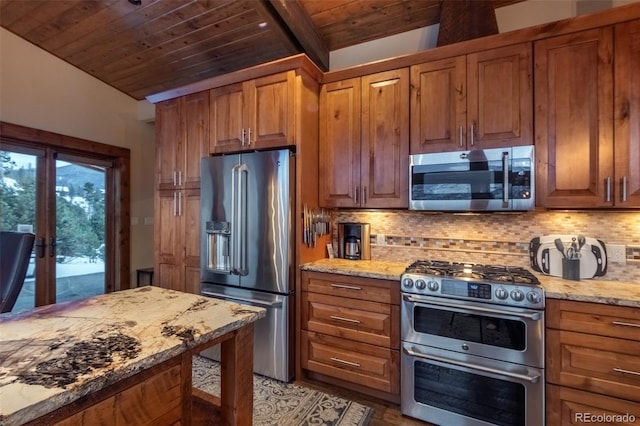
[(616, 253)]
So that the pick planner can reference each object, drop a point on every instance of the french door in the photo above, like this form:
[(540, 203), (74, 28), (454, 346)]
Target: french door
[(65, 197)]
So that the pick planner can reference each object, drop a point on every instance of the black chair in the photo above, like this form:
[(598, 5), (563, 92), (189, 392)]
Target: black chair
[(15, 252)]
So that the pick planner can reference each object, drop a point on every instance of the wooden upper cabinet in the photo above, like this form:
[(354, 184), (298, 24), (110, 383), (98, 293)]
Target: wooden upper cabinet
[(340, 130), (627, 115), (182, 129), (574, 120), (476, 101), (254, 114), (364, 141)]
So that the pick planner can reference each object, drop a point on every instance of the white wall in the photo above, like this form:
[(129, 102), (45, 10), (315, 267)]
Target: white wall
[(41, 91), (509, 18)]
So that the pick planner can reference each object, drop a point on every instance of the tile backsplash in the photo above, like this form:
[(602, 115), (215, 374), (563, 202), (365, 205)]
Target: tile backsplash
[(493, 238)]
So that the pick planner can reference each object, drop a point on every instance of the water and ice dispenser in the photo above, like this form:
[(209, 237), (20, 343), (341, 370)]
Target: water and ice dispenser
[(218, 246)]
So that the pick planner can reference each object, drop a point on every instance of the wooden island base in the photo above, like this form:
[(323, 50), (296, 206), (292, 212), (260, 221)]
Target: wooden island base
[(163, 394)]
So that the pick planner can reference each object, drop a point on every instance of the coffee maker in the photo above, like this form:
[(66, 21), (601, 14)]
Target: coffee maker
[(354, 241)]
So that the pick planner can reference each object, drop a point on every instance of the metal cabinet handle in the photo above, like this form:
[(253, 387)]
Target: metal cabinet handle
[(621, 370), (364, 195), (627, 324), (356, 193), (179, 203), (624, 188), (460, 137), (348, 287), (249, 138), (337, 318), (471, 138), (242, 136), (608, 188), (175, 203), (342, 361), (179, 177), (175, 178)]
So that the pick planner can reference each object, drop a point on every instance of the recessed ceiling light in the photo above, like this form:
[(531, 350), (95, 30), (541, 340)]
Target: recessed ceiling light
[(135, 2), (262, 25)]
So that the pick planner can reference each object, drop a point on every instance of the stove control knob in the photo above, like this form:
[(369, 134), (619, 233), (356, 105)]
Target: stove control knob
[(407, 283), (501, 293), (534, 297), (433, 285), (517, 295), (420, 284)]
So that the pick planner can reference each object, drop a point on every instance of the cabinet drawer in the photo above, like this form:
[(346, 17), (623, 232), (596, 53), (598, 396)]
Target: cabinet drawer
[(566, 406), (366, 365), (368, 322), (371, 289), (594, 363), (594, 318)]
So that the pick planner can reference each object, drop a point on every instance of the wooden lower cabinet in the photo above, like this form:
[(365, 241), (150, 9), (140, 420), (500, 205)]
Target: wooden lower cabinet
[(592, 363), (350, 332), (568, 406)]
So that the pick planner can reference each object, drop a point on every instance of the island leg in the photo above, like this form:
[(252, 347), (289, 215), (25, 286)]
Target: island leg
[(236, 381)]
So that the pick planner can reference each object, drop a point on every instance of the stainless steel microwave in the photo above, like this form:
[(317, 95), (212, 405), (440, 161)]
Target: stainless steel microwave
[(500, 179)]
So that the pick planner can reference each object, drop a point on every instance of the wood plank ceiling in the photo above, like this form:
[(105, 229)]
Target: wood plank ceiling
[(158, 45)]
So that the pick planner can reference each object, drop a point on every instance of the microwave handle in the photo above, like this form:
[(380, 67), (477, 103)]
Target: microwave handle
[(505, 179)]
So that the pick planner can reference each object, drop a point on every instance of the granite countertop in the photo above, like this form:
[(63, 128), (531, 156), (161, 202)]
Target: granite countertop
[(358, 268), (56, 354), (593, 290)]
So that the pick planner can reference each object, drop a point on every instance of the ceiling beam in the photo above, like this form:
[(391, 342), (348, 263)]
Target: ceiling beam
[(299, 22)]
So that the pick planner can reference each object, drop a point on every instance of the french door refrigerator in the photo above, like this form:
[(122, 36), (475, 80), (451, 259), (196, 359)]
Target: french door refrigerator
[(247, 247)]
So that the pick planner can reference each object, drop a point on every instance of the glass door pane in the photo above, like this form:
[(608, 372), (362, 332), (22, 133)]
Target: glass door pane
[(18, 210), (80, 228)]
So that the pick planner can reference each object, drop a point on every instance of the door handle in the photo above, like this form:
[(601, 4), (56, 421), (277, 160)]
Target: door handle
[(52, 245), (40, 246)]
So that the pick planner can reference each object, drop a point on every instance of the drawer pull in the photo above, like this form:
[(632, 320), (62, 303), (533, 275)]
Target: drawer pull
[(337, 318), (342, 361), (348, 287), (620, 370), (628, 324)]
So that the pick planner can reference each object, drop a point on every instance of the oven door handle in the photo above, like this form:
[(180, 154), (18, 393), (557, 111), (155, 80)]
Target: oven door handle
[(534, 316), (521, 377)]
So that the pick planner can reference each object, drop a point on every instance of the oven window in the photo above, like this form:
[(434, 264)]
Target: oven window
[(492, 400), (484, 329)]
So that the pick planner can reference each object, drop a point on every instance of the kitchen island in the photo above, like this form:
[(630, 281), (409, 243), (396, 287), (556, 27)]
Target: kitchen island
[(123, 358)]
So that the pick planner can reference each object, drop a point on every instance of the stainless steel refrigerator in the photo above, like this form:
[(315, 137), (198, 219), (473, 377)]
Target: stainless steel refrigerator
[(247, 251)]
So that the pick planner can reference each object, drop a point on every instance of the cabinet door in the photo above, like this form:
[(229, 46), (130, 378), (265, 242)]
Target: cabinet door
[(627, 115), (339, 170), (169, 249), (385, 140), (227, 118), (271, 110), (169, 143), (196, 123), (438, 106), (574, 119), (191, 239), (500, 97)]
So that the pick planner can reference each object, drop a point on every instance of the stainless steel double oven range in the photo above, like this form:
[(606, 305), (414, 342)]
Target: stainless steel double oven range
[(472, 345)]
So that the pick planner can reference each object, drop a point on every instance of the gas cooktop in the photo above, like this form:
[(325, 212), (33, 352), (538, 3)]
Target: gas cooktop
[(505, 285), (473, 271)]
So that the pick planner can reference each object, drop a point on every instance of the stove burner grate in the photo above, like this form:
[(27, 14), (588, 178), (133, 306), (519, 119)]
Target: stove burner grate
[(473, 271)]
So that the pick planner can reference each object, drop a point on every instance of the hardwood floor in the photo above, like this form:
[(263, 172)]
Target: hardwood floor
[(385, 413)]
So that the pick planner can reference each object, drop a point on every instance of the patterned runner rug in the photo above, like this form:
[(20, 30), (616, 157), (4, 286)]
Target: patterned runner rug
[(285, 404)]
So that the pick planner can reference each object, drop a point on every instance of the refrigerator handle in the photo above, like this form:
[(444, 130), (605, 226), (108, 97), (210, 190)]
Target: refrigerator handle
[(238, 215), (261, 303)]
